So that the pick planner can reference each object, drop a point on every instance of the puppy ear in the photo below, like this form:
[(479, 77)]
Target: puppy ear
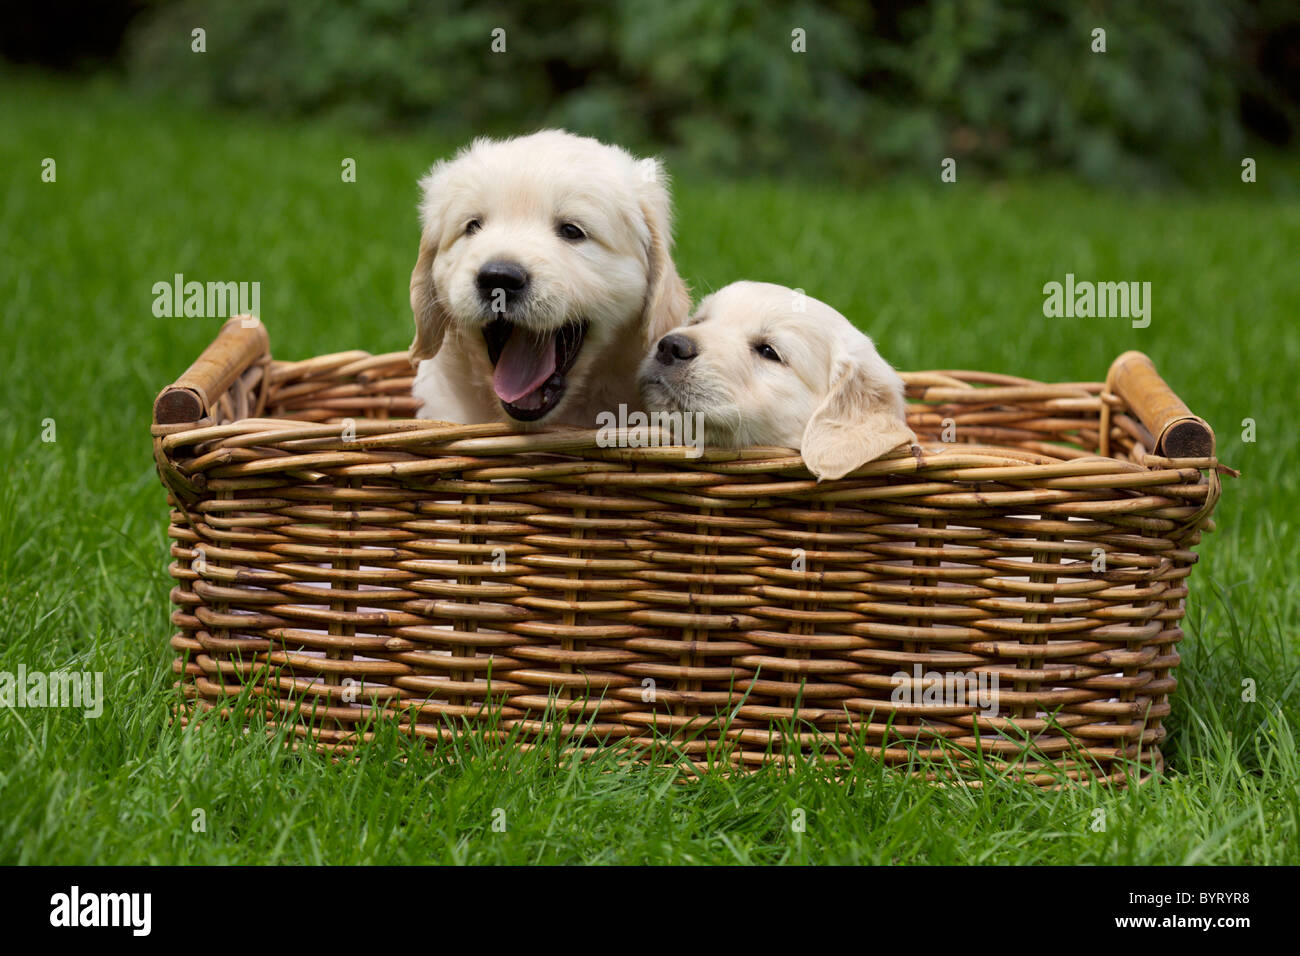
[(430, 317), (860, 419), (667, 301)]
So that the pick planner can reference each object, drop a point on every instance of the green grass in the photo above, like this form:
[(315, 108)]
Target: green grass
[(941, 276)]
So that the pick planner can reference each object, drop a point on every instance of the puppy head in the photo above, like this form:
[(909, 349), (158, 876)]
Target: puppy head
[(543, 254), (765, 365)]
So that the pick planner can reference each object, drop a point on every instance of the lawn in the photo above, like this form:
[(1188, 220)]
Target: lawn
[(941, 275)]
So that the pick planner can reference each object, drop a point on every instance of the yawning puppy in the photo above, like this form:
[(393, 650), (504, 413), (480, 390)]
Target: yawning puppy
[(544, 274), (766, 365)]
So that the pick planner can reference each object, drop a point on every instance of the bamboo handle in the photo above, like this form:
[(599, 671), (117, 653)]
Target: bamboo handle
[(1177, 432), (230, 354)]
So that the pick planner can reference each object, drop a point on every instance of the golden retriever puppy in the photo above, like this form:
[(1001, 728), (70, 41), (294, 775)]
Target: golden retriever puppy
[(544, 274), (765, 365)]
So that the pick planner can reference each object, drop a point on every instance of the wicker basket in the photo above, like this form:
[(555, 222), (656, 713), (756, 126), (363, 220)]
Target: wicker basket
[(343, 562)]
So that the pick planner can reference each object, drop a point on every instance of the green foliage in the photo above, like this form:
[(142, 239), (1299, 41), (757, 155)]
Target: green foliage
[(1002, 87)]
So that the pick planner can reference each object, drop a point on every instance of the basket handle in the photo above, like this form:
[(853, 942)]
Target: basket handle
[(1177, 432), (236, 347)]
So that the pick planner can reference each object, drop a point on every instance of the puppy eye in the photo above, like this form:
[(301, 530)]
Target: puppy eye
[(767, 352), (573, 233), (473, 226)]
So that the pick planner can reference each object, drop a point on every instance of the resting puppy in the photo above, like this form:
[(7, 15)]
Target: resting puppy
[(544, 274), (765, 365)]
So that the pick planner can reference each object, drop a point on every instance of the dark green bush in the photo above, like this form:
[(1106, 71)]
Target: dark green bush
[(1002, 87)]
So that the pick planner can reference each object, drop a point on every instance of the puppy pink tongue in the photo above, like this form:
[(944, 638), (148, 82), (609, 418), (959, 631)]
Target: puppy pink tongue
[(527, 360)]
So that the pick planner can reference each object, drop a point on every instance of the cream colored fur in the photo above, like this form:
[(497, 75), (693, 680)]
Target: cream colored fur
[(830, 394), (620, 279)]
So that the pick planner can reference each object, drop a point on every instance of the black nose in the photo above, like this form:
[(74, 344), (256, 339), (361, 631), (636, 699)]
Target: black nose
[(675, 346), (509, 277)]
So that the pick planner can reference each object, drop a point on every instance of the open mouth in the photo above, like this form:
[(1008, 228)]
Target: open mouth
[(530, 368)]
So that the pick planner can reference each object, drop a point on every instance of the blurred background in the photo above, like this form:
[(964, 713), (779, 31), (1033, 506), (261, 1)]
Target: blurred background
[(884, 85)]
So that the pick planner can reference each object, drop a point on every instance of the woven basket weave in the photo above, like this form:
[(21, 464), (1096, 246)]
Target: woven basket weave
[(348, 562)]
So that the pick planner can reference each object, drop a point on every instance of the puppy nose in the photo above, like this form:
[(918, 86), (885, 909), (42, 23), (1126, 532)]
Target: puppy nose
[(675, 346), (510, 277)]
